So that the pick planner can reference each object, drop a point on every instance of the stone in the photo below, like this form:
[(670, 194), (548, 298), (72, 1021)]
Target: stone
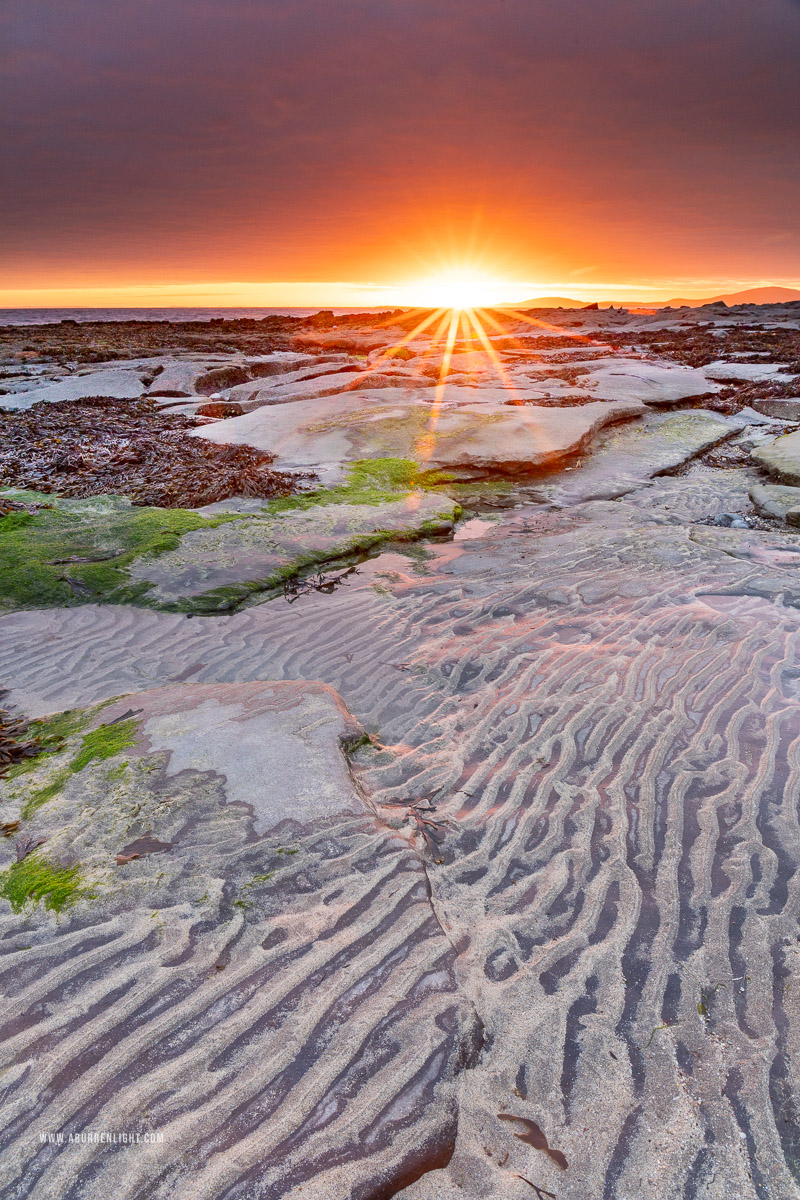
[(482, 438), (178, 378), (787, 409), (780, 457), (650, 383), (777, 501), (730, 521)]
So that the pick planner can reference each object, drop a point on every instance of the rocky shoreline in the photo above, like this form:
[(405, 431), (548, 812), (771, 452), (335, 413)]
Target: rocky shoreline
[(473, 876)]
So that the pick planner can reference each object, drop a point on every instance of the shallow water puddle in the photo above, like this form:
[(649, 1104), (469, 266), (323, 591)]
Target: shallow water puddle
[(475, 527)]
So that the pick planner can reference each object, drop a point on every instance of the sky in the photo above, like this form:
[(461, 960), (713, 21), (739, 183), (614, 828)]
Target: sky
[(350, 151)]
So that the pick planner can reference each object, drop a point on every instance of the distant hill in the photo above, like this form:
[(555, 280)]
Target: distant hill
[(762, 295)]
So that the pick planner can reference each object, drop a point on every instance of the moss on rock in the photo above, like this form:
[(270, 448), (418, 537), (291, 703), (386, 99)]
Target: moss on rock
[(77, 551), (369, 481), (106, 741), (37, 879)]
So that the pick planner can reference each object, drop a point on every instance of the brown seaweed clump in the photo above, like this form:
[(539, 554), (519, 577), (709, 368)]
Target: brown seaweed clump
[(98, 446), (15, 745)]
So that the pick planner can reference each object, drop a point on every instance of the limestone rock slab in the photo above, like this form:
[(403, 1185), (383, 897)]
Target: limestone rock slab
[(483, 436), (651, 383), (115, 383), (733, 372), (777, 501), (206, 562), (277, 746), (628, 456), (787, 409), (780, 457)]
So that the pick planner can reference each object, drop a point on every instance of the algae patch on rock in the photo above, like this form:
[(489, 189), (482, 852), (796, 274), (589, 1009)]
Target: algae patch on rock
[(36, 879), (107, 741), (216, 570), (369, 481), (65, 552)]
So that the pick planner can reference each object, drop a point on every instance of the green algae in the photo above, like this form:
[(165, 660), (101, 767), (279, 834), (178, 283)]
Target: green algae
[(42, 795), (369, 481), (230, 597), (106, 741), (351, 744), (77, 551), (37, 879)]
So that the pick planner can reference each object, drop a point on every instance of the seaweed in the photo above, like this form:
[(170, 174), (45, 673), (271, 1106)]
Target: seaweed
[(97, 445), (369, 481), (78, 551), (323, 581), (533, 1135), (37, 879), (17, 748), (106, 741)]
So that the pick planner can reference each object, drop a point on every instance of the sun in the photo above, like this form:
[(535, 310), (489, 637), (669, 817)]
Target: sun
[(457, 289)]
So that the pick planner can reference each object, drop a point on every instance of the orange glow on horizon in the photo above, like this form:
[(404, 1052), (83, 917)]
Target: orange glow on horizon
[(460, 288)]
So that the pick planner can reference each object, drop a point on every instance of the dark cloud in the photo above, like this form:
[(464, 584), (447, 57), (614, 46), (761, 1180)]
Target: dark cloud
[(324, 139)]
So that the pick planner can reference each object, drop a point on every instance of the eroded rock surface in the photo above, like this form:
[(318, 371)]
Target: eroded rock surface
[(481, 437), (606, 759), (249, 952), (219, 566), (538, 929)]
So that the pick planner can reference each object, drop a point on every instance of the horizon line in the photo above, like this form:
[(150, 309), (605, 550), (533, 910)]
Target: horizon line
[(351, 295)]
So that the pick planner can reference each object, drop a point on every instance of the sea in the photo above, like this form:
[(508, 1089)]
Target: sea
[(49, 316)]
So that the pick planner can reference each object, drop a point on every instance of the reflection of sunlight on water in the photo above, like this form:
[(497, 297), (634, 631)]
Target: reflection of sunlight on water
[(389, 570), (413, 501), (476, 527)]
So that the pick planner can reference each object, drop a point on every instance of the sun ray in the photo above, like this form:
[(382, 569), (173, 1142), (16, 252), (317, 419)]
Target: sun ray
[(492, 352), (470, 349), (434, 341), (427, 441), (440, 336), (487, 316), (408, 315), (475, 320), (391, 351)]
